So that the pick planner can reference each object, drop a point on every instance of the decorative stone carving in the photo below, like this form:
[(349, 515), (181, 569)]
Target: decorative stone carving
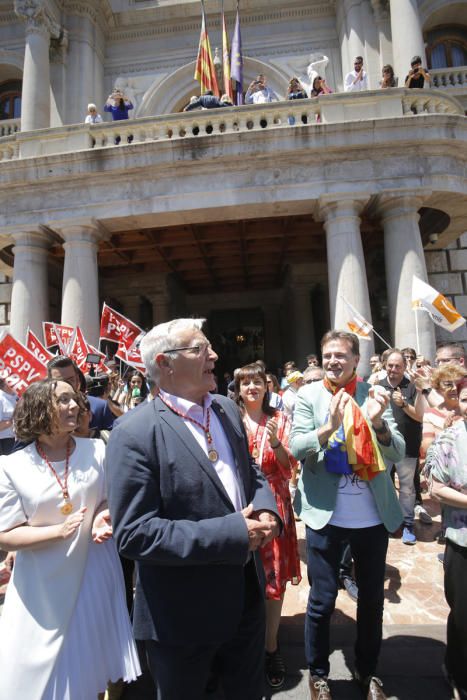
[(381, 10), (37, 17), (59, 47)]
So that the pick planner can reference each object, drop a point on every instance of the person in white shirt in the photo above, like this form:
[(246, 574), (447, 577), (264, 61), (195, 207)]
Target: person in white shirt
[(93, 117), (289, 397), (8, 399), (259, 92), (357, 79)]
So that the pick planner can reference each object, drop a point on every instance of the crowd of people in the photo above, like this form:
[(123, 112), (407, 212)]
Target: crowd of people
[(155, 496), (259, 92)]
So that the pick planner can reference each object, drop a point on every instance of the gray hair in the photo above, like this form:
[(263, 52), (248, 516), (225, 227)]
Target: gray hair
[(164, 337), (91, 105)]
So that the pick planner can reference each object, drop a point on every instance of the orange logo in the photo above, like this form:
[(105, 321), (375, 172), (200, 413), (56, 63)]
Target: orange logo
[(446, 309)]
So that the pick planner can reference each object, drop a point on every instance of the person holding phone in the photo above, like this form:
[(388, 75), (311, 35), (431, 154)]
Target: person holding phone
[(417, 76)]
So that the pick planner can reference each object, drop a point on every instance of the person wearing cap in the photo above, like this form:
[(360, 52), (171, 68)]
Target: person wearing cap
[(93, 117), (417, 76), (289, 397)]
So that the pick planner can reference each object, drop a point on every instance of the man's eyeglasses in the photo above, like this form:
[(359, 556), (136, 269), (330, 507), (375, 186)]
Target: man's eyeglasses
[(311, 381), (200, 349)]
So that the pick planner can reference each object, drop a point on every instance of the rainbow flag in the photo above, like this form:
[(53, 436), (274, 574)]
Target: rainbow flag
[(205, 72)]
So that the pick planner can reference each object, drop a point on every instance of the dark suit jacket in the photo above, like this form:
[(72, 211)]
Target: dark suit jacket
[(171, 514)]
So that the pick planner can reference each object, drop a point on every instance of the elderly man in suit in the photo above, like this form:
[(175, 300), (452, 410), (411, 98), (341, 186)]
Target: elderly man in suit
[(189, 505), (342, 429)]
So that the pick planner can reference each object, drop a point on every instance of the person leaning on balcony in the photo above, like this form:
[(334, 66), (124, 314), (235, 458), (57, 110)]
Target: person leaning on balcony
[(357, 79), (295, 90), (206, 101), (417, 76), (118, 105), (388, 80), (258, 92), (92, 117), (320, 87)]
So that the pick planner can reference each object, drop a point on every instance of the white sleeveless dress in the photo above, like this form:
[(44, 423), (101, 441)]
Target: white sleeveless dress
[(64, 630)]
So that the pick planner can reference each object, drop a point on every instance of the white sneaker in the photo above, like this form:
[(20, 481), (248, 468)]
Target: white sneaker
[(423, 515)]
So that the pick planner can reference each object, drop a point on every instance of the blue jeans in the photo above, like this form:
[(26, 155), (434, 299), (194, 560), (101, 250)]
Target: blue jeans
[(324, 550)]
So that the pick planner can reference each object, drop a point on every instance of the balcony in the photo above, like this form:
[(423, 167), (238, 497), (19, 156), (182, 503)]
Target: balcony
[(451, 80), (9, 126), (339, 108)]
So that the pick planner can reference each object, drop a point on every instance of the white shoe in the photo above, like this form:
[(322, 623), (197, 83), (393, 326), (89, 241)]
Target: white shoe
[(423, 515)]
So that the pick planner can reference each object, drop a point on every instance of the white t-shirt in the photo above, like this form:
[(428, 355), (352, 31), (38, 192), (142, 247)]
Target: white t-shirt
[(7, 406), (355, 504)]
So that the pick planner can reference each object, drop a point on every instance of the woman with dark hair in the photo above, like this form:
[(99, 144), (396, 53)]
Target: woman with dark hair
[(64, 623), (320, 87), (118, 106), (136, 390), (268, 434), (388, 80)]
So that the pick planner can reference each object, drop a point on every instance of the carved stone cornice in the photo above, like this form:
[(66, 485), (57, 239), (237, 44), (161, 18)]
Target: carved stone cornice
[(99, 13), (37, 17), (380, 9), (153, 27)]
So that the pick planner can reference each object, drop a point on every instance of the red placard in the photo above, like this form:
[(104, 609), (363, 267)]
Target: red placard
[(55, 334), (131, 357), (18, 365), (35, 346), (79, 350), (118, 328)]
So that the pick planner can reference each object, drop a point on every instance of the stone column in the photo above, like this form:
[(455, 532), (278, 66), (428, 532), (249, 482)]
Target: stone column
[(404, 258), (383, 26), (407, 37), (346, 268), (35, 105), (80, 295), (30, 293), (160, 307), (354, 32)]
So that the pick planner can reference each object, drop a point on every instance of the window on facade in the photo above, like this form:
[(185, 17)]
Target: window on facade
[(10, 99), (447, 48)]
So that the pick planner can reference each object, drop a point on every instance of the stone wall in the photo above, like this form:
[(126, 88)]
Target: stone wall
[(5, 298), (447, 272)]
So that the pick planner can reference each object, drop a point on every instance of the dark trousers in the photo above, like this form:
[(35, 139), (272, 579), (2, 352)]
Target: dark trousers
[(324, 551), (6, 446), (182, 672), (455, 590)]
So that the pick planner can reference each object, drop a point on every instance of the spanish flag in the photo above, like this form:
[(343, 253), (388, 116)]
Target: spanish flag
[(228, 90), (205, 72)]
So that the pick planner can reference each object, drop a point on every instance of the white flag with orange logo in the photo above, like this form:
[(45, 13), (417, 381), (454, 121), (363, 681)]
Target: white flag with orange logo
[(358, 323), (441, 310)]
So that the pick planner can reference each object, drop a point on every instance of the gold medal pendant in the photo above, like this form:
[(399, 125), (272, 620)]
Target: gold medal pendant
[(66, 508), (213, 455), (255, 453)]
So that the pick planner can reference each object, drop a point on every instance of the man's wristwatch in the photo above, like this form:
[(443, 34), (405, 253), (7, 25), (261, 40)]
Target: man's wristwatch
[(383, 429), (425, 392)]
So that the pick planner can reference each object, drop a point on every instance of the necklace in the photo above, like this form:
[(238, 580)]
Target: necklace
[(67, 506), (255, 449), (213, 454)]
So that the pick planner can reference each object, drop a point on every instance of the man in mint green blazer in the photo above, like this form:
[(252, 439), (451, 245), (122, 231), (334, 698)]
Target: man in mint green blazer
[(343, 429)]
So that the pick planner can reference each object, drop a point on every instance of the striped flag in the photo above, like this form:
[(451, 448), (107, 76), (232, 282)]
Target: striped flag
[(205, 72), (441, 310), (228, 90), (236, 62)]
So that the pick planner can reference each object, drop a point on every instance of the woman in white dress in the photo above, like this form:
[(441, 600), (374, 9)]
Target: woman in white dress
[(64, 630)]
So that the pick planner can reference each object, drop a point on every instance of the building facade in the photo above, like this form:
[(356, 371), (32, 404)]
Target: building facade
[(267, 219)]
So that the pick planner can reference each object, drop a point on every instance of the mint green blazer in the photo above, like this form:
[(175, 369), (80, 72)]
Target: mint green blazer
[(316, 495)]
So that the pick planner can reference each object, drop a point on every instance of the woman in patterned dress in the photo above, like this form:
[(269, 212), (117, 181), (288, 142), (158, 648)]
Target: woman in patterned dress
[(268, 434)]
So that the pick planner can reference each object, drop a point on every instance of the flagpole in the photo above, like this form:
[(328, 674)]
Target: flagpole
[(372, 327), (416, 331)]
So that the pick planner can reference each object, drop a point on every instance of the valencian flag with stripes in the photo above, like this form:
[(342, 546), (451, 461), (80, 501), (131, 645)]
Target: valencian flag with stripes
[(236, 63), (205, 72), (228, 90)]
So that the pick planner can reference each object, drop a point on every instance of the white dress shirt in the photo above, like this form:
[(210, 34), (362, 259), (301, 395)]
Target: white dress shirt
[(224, 466), (350, 86)]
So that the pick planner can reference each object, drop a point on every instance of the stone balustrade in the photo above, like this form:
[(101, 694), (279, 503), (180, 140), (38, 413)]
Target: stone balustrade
[(316, 112), (9, 126), (444, 78)]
